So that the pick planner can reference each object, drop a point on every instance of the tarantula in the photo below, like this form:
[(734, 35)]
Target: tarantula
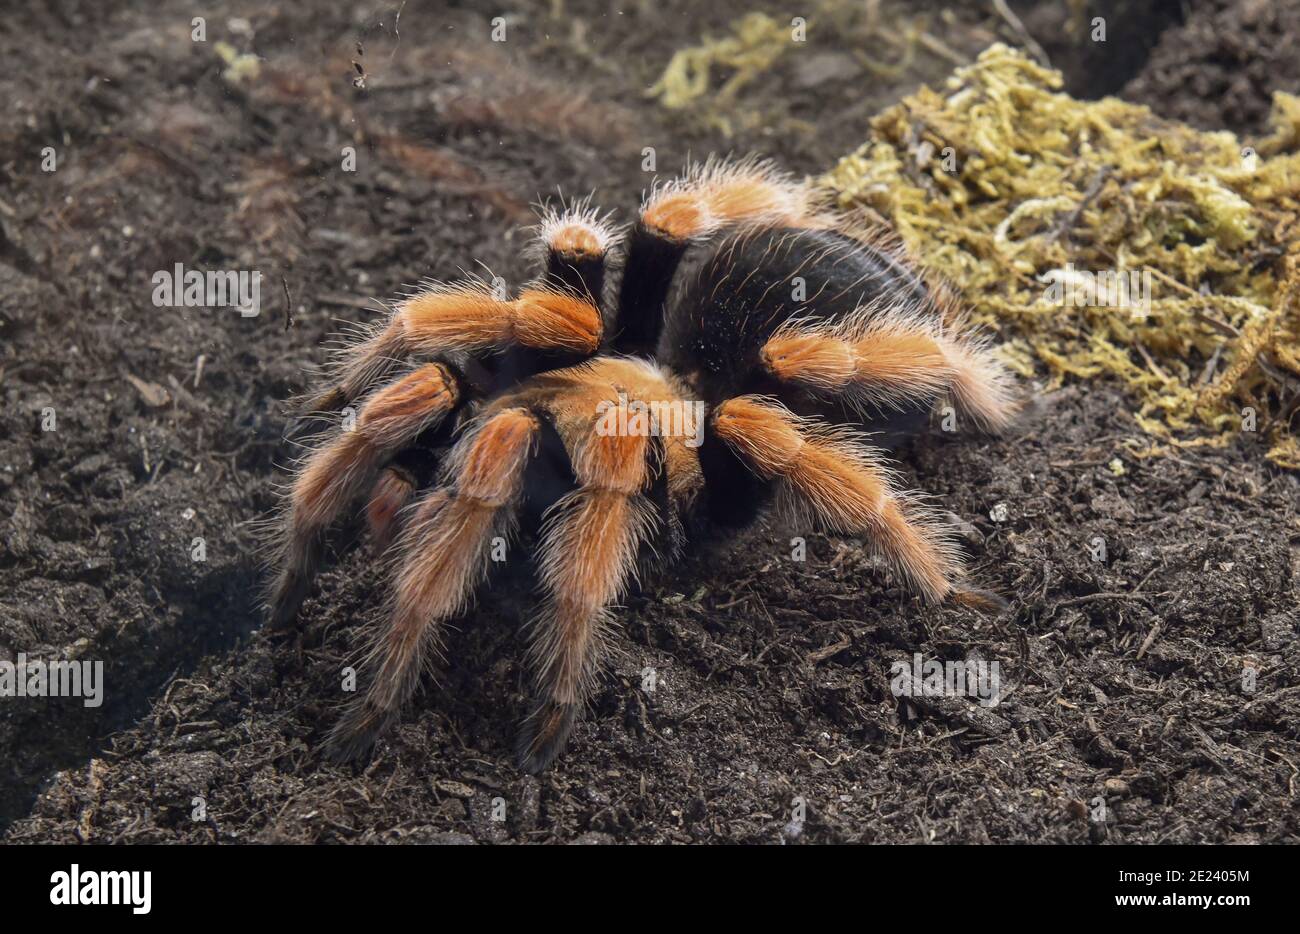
[(790, 331)]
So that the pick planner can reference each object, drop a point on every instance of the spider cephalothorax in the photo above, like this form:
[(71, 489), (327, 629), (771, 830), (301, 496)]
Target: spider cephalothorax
[(619, 425)]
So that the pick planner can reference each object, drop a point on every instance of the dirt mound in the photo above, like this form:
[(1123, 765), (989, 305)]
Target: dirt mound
[(1220, 68)]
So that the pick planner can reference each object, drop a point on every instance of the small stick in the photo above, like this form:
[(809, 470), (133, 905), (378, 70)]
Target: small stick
[(1030, 43), (1089, 193), (288, 309), (1151, 637)]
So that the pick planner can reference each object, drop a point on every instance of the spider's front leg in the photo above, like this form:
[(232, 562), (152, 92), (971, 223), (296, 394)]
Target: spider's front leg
[(452, 321), (588, 556), (335, 474), (444, 553), (842, 484), (688, 210), (576, 245)]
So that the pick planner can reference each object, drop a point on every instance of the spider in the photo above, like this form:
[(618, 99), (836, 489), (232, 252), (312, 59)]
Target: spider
[(750, 341)]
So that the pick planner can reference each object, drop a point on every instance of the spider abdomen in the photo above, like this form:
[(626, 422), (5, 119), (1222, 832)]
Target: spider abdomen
[(752, 282)]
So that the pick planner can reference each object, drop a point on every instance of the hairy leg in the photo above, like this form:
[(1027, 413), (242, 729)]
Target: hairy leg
[(576, 245), (842, 484), (333, 475), (700, 203), (465, 319), (891, 358), (444, 551), (588, 555)]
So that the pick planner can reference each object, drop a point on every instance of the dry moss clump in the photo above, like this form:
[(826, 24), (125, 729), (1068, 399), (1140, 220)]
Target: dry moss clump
[(758, 42), (1020, 195)]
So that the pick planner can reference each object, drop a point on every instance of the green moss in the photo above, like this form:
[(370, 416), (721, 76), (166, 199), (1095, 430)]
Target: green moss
[(1008, 188)]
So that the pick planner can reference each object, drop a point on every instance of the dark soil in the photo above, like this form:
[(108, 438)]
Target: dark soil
[(1123, 678), (1220, 69)]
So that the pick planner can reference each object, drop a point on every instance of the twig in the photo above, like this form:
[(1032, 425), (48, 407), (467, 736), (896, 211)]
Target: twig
[(824, 653), (1108, 595), (1094, 187), (1019, 28), (1210, 366), (1151, 637), (288, 306)]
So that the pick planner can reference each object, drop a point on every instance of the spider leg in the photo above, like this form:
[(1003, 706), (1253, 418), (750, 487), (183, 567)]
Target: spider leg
[(337, 472), (892, 358), (466, 319), (445, 550), (686, 210), (590, 543), (842, 484), (391, 493), (576, 244)]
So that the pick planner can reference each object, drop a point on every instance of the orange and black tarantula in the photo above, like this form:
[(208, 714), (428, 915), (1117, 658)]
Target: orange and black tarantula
[(787, 329)]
